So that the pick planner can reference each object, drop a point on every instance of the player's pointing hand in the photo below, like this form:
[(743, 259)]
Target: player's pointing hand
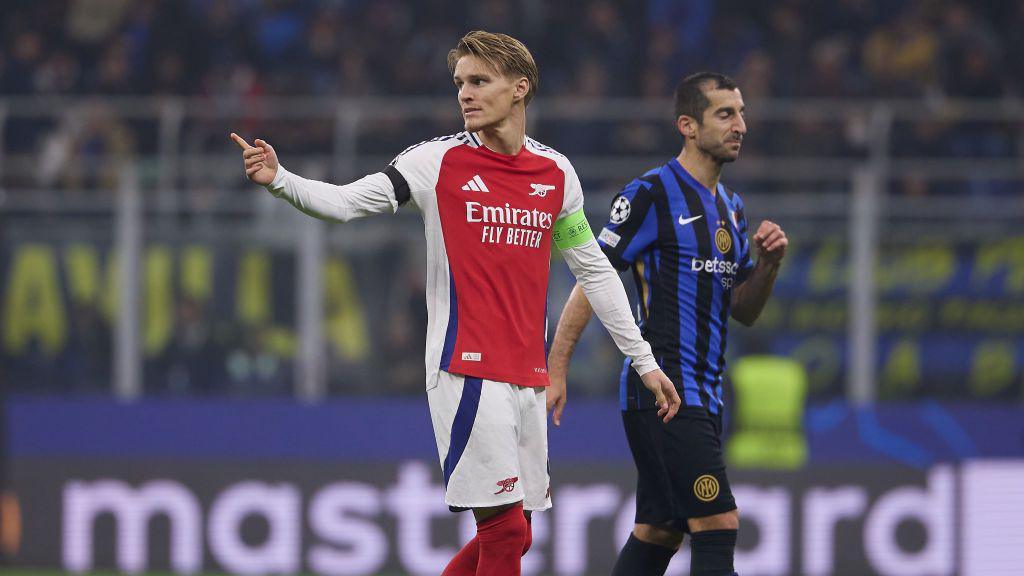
[(260, 160), (664, 393)]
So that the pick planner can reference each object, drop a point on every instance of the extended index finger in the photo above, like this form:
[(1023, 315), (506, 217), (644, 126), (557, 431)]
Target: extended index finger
[(240, 141)]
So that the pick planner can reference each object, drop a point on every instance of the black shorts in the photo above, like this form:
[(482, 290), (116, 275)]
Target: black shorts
[(680, 469)]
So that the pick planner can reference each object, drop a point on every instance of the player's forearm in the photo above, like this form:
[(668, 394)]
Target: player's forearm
[(607, 297), (574, 319), (326, 201), (749, 297)]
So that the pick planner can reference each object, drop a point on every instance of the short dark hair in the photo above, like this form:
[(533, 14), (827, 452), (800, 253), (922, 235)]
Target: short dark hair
[(691, 99)]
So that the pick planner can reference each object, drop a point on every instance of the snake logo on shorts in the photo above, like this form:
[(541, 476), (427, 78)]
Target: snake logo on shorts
[(706, 488), (507, 485)]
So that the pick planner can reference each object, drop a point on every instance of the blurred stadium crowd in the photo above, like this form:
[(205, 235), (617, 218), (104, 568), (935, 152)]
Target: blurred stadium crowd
[(250, 49), (795, 48), (243, 51)]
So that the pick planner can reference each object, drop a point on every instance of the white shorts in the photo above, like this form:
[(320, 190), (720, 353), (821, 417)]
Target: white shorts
[(492, 441)]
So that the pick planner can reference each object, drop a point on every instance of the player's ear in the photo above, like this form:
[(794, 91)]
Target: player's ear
[(687, 126), (522, 89)]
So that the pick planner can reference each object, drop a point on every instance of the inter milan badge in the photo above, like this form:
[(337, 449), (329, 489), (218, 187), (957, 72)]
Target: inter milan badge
[(723, 239), (706, 488), (620, 210)]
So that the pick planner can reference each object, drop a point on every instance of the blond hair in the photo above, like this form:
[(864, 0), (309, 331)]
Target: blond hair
[(500, 51)]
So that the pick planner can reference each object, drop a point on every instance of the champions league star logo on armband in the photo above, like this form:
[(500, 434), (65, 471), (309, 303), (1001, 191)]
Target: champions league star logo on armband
[(620, 210)]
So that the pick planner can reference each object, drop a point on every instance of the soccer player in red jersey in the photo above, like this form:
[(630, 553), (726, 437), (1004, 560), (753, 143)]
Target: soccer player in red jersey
[(492, 200)]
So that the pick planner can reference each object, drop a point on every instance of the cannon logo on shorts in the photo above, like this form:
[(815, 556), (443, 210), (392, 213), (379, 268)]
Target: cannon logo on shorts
[(507, 485), (706, 488)]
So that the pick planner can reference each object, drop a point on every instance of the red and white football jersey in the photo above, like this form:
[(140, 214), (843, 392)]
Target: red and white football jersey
[(488, 220)]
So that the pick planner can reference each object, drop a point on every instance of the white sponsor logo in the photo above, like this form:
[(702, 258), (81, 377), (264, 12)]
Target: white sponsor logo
[(541, 189), (472, 356), (714, 266), (620, 210), (477, 212), (685, 221), (133, 508), (967, 518), (476, 185), (608, 237)]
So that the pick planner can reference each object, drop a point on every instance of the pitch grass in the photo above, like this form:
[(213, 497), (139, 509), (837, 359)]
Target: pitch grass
[(4, 571), (36, 572)]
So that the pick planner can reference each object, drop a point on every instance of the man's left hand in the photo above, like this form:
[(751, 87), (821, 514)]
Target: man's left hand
[(665, 394), (771, 243)]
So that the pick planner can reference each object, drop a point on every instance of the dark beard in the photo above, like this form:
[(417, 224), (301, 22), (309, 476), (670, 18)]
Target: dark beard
[(721, 155)]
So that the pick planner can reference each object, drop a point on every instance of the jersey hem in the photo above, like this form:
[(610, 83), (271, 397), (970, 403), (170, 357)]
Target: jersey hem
[(502, 378), (464, 507)]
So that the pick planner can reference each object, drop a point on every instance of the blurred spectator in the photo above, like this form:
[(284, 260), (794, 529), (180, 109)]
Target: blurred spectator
[(193, 362), (26, 56), (848, 20), (900, 56), (253, 369), (59, 74), (91, 22), (680, 32), (828, 75), (607, 50), (85, 150), (970, 55), (786, 41), (406, 326), (85, 364), (1013, 40)]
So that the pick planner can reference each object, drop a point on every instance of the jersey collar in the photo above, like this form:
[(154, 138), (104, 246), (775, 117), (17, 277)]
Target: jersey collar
[(678, 169)]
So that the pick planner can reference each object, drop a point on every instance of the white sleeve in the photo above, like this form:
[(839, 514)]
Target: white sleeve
[(572, 200), (604, 291), (371, 194)]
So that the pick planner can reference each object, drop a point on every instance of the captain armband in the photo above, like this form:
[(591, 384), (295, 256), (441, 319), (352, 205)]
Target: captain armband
[(572, 231)]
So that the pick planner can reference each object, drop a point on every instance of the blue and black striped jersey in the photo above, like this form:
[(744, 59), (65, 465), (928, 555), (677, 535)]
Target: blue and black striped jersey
[(687, 248)]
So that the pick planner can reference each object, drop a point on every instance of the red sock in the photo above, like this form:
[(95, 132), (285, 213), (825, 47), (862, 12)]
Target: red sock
[(502, 541), (464, 563)]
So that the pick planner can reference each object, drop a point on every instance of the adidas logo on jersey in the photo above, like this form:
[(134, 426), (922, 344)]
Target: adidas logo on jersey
[(476, 185)]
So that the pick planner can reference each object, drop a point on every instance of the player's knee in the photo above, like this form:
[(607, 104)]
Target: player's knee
[(519, 529), (508, 523), (483, 513), (725, 521), (663, 536)]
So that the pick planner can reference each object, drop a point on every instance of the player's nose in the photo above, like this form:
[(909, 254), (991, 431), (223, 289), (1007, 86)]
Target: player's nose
[(741, 125)]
